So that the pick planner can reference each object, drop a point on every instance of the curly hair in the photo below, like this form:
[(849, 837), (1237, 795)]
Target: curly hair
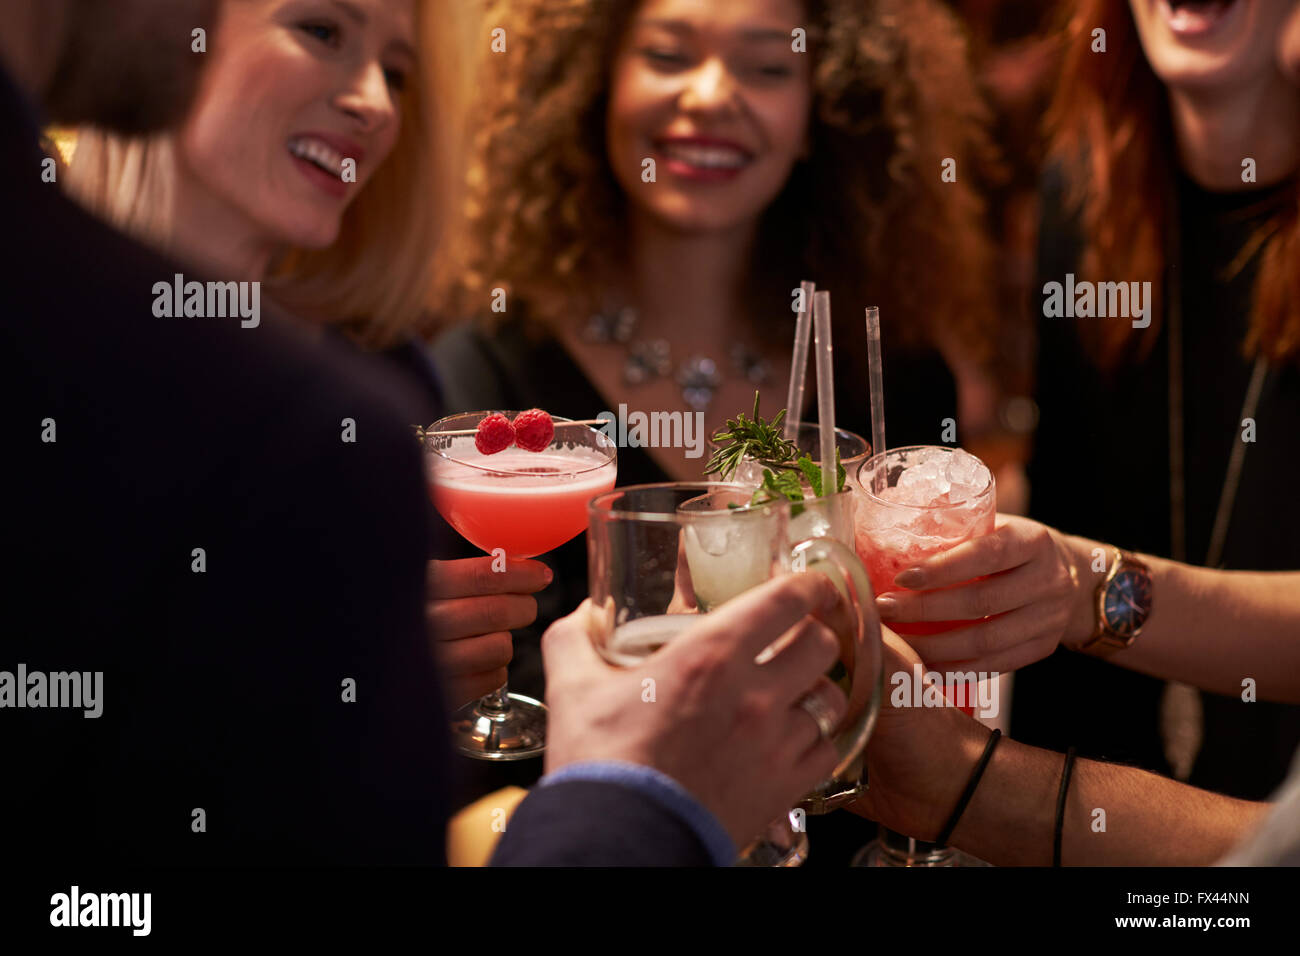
[(868, 215), (1110, 128)]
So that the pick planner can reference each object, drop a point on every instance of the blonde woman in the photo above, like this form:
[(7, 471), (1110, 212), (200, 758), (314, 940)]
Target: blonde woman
[(321, 157)]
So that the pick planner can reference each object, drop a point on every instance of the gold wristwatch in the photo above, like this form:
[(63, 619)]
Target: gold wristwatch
[(1123, 605)]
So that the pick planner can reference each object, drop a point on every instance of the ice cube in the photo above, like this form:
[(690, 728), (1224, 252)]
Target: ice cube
[(710, 537), (748, 473), (969, 476), (924, 483), (962, 467), (809, 524), (959, 492), (912, 478)]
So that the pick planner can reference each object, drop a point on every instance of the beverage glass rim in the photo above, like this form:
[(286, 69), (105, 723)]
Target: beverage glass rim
[(453, 420), (865, 484), (597, 506)]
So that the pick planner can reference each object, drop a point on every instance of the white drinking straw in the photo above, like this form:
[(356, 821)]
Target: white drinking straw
[(876, 375), (799, 361), (825, 389)]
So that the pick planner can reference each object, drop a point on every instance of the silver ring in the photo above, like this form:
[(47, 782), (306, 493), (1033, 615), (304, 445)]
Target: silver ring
[(817, 708)]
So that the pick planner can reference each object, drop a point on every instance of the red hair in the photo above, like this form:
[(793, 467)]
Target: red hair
[(1109, 126)]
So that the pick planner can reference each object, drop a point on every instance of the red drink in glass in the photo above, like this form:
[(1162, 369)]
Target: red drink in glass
[(527, 503), (925, 500)]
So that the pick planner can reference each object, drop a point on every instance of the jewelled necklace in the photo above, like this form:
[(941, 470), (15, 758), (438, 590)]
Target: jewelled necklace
[(646, 360)]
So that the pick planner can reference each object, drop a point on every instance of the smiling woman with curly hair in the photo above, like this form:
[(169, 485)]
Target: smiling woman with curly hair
[(833, 140), (652, 180), (867, 212)]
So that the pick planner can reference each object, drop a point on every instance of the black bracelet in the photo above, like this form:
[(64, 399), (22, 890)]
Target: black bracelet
[(1060, 806), (970, 787)]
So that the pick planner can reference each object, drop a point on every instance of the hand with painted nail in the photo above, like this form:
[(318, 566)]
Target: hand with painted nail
[(1026, 585), (470, 612)]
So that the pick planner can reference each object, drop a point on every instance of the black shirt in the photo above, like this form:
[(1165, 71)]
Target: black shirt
[(223, 669), (286, 689), (1101, 469)]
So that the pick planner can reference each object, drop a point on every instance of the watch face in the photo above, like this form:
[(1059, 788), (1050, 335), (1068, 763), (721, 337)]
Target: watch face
[(1127, 603)]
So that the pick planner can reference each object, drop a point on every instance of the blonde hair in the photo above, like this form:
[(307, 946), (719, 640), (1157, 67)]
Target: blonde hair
[(377, 279)]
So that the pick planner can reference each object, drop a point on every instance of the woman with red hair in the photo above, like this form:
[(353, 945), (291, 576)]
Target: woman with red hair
[(1166, 429)]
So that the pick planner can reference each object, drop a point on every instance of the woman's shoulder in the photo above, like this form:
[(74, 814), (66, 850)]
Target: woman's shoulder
[(469, 369), (490, 365)]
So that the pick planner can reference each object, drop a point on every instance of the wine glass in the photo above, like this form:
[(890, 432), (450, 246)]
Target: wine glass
[(516, 504), (662, 554)]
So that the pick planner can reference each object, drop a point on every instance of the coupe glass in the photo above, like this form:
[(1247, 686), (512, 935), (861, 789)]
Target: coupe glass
[(519, 504), (660, 555)]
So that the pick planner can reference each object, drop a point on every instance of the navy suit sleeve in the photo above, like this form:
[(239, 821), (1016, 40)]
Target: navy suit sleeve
[(581, 823)]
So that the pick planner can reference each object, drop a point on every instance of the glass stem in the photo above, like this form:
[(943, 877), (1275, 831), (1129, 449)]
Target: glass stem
[(497, 702)]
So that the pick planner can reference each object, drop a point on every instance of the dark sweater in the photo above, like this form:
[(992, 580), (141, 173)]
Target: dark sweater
[(1101, 469), (287, 689)]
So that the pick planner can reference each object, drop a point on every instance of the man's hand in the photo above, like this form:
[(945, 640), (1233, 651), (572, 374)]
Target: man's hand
[(470, 612), (701, 709), (918, 758)]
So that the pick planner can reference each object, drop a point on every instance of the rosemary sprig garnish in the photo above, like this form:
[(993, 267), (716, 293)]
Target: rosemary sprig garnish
[(784, 469), (755, 439)]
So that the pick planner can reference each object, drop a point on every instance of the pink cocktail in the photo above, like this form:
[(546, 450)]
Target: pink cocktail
[(521, 503), (527, 503), (925, 500)]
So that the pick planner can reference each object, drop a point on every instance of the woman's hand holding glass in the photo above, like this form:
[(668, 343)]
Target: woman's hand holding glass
[(1028, 585), (470, 612)]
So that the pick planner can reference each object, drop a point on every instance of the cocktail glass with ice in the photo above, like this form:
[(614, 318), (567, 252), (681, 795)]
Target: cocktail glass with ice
[(913, 503), (917, 502)]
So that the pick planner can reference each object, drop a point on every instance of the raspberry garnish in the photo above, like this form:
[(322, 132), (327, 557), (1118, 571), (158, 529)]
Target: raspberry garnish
[(495, 433), (534, 430)]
